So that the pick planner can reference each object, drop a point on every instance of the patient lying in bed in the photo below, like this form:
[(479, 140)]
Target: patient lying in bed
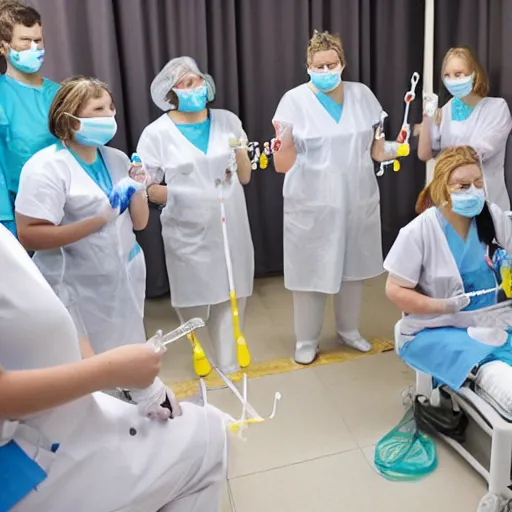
[(442, 274)]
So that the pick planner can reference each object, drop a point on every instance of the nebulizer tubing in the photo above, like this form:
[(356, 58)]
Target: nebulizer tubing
[(405, 131), (243, 354)]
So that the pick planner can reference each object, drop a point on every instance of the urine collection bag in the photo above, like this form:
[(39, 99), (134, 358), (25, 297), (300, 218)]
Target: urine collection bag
[(405, 453)]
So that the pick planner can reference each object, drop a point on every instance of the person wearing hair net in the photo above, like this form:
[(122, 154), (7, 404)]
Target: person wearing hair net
[(25, 98), (67, 445), (187, 153), (332, 233), (470, 117)]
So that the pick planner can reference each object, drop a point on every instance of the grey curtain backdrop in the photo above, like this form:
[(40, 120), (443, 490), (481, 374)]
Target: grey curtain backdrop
[(255, 50), (485, 26)]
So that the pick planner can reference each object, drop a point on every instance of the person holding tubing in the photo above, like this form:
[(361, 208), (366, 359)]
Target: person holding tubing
[(75, 210), (68, 446), (470, 118), (188, 153), (332, 233)]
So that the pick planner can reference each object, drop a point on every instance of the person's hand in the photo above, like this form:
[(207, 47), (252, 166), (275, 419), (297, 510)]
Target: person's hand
[(451, 305), (109, 212), (131, 366), (157, 401), (284, 135), (123, 192), (430, 104)]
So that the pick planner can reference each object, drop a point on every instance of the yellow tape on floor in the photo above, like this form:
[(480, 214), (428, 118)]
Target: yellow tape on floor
[(188, 388)]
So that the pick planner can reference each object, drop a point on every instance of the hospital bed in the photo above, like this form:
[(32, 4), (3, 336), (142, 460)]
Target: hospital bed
[(486, 398)]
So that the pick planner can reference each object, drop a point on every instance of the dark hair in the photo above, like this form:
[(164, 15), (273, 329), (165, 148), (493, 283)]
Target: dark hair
[(14, 13)]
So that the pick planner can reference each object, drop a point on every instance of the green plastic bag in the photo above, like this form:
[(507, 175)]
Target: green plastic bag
[(405, 453)]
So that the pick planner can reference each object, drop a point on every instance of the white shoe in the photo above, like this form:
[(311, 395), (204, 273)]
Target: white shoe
[(359, 343), (306, 351)]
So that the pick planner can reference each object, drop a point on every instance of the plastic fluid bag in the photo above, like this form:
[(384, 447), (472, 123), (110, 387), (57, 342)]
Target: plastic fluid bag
[(405, 453)]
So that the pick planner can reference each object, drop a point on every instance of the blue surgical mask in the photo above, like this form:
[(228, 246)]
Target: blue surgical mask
[(96, 131), (27, 61), (192, 100), (468, 203), (325, 81), (459, 87)]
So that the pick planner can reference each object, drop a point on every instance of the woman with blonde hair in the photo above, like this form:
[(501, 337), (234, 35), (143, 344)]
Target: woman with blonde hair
[(471, 118), (332, 232), (441, 274)]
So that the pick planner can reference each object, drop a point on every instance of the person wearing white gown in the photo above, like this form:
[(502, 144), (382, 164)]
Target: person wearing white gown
[(439, 258), (187, 152), (85, 247), (470, 118), (67, 446), (332, 231)]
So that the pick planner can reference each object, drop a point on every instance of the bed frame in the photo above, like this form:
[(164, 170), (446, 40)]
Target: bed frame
[(487, 421)]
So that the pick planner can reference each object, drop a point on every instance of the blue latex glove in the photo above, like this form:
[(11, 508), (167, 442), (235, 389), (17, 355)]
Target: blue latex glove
[(122, 193)]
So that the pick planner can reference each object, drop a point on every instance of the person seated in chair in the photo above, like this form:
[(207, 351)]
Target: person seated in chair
[(442, 277)]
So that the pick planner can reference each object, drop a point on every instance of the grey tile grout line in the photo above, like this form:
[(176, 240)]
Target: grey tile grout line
[(277, 468)]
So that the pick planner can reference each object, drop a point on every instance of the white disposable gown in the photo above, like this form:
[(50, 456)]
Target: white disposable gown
[(331, 198), (96, 272), (100, 465), (191, 218), (486, 130), (422, 257)]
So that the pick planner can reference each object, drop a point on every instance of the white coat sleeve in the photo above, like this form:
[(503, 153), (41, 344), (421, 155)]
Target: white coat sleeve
[(286, 110), (405, 259), (435, 134), (373, 105), (149, 153), (503, 227), (42, 192), (494, 130)]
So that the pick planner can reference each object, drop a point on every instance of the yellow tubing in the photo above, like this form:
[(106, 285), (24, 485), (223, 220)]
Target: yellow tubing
[(202, 366), (243, 354)]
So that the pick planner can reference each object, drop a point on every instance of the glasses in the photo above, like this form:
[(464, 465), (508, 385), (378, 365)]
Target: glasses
[(466, 185)]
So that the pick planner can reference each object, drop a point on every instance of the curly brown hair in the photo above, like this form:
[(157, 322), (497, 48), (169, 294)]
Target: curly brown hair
[(325, 41)]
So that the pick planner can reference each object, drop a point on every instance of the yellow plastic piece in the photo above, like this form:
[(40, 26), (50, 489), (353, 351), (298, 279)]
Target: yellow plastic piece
[(235, 427), (403, 150), (263, 161), (396, 165), (242, 350), (202, 366), (506, 281)]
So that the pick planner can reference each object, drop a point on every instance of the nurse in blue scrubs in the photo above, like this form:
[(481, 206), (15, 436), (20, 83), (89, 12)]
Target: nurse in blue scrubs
[(25, 99), (442, 277)]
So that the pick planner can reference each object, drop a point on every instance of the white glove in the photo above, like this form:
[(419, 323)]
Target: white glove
[(451, 305), (430, 104), (157, 402), (108, 213)]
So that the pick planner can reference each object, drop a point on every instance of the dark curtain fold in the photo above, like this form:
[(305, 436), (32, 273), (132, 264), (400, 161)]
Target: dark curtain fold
[(485, 26), (256, 51)]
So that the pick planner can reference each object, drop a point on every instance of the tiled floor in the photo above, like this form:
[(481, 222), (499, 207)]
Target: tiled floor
[(317, 453)]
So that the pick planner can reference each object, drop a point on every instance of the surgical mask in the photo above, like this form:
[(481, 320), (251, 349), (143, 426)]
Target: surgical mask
[(96, 131), (459, 87), (192, 100), (27, 61), (325, 81), (468, 203)]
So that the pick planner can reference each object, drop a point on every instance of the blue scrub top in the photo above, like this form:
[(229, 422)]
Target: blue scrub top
[(97, 171), (471, 258), (333, 108), (197, 134), (23, 131)]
